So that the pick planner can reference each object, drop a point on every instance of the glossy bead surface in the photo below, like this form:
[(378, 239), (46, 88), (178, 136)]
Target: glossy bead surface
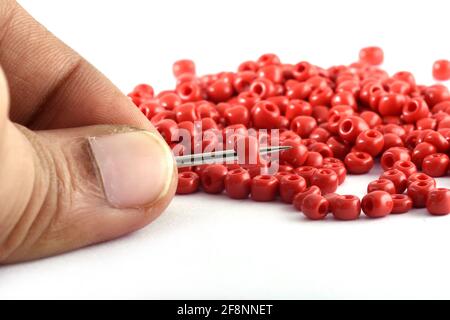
[(314, 159), (264, 115), (402, 203), (346, 207), (397, 177), (351, 127), (441, 70), (213, 177), (188, 182), (306, 172), (303, 125), (377, 204), (418, 192), (299, 197), (438, 202), (290, 186), (168, 129), (184, 66), (422, 150), (296, 156), (436, 165), (264, 188), (315, 207), (370, 141), (326, 179), (358, 162), (340, 170), (371, 55), (407, 167), (237, 184), (420, 176), (392, 155), (383, 185)]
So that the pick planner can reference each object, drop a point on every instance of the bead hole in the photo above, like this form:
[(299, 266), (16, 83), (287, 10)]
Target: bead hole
[(346, 126)]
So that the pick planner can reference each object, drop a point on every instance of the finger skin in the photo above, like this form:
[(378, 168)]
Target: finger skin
[(51, 86)]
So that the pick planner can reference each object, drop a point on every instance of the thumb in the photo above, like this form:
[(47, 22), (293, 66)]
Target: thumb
[(65, 189)]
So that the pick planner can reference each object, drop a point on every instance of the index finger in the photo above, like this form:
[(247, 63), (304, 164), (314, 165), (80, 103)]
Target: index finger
[(51, 85)]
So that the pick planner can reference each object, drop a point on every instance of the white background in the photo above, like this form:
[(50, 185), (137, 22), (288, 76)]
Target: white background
[(212, 247)]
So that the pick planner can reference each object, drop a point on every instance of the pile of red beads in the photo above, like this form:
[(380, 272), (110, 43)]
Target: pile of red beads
[(336, 120)]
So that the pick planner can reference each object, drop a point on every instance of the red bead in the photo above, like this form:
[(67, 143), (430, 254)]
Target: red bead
[(188, 182), (265, 115), (392, 140), (351, 127), (181, 67), (298, 108), (272, 72), (186, 112), (248, 99), (415, 110), (346, 207), (298, 90), (306, 172), (315, 207), (370, 141), (422, 150), (377, 204), (264, 188), (281, 174), (358, 162), (220, 90), (237, 183), (383, 185), (426, 123), (420, 176), (391, 104), (371, 55), (263, 88), (436, 165), (243, 80), (339, 147), (438, 202), (314, 159), (321, 148), (320, 113), (213, 177), (303, 71), (168, 129), (237, 114), (296, 156), (407, 167), (402, 203), (326, 179), (189, 91), (436, 94), (303, 125), (290, 186), (344, 98), (418, 192), (298, 199), (436, 139), (397, 177), (371, 118), (340, 170), (150, 109), (268, 59), (392, 155), (320, 135), (321, 97), (441, 70), (169, 100)]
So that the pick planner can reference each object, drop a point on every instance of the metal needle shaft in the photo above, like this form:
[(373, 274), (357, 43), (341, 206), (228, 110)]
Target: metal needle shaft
[(219, 156)]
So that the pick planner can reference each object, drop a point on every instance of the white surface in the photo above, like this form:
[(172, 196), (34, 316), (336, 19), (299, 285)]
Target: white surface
[(212, 247)]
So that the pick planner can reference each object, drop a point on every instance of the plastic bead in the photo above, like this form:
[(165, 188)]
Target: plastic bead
[(402, 203), (441, 70), (358, 162), (371, 55), (297, 155), (422, 150), (351, 127), (314, 159), (212, 178), (346, 207), (237, 183), (303, 125), (290, 186), (306, 172), (370, 141), (264, 188), (436, 165), (315, 207), (298, 199), (326, 179), (377, 204), (420, 176), (398, 178), (188, 182), (182, 67), (407, 167), (418, 191), (438, 202), (383, 185), (392, 155), (264, 115)]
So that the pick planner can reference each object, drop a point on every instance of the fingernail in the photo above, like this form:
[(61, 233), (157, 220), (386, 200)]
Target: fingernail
[(136, 167)]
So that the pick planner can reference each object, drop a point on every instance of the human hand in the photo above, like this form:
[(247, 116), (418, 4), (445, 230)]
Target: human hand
[(80, 163)]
